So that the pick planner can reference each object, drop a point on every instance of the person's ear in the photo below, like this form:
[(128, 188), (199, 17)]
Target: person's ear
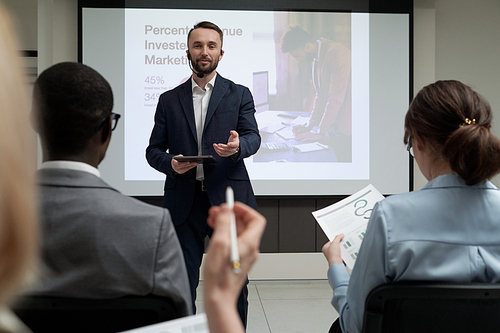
[(419, 143), (106, 131), (309, 48), (34, 116), (34, 121)]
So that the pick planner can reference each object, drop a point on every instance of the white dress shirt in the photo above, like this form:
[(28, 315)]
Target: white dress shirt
[(315, 74), (72, 165), (201, 98)]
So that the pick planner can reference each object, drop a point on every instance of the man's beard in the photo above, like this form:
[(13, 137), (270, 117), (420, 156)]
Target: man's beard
[(209, 69)]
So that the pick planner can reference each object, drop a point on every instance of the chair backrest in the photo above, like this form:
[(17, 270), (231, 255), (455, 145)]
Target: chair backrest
[(57, 314), (433, 307)]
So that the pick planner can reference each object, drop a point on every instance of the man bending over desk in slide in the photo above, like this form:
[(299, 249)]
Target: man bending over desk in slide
[(331, 77)]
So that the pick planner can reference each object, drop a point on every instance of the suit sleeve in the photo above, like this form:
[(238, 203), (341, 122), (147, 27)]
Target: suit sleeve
[(247, 127), (371, 270), (170, 274), (156, 152)]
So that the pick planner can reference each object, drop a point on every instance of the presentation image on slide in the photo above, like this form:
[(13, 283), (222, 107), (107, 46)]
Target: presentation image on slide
[(307, 117), (304, 104)]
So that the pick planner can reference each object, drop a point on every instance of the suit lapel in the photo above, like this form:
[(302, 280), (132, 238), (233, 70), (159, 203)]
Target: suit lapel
[(186, 100), (220, 88)]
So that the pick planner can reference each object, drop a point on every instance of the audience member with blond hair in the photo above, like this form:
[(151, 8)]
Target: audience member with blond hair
[(17, 205), (18, 232)]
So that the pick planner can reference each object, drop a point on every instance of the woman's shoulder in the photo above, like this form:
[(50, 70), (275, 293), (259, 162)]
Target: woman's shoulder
[(441, 187)]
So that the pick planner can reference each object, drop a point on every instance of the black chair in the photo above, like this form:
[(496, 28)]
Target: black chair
[(57, 314), (433, 307)]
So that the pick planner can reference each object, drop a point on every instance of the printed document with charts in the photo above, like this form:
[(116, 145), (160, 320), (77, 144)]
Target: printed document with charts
[(349, 217)]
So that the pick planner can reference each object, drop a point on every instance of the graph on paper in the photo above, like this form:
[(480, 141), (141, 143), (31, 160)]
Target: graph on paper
[(349, 217)]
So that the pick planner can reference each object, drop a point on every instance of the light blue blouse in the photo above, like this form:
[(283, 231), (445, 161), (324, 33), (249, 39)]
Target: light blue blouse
[(447, 231)]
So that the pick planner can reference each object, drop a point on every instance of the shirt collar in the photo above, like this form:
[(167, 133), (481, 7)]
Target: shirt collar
[(72, 165), (210, 83), (454, 180), (319, 50)]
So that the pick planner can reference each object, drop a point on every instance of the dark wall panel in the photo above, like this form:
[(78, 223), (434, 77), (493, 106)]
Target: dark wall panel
[(297, 231), (290, 226), (270, 240)]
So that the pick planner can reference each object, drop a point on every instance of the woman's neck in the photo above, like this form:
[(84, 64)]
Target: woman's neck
[(439, 167)]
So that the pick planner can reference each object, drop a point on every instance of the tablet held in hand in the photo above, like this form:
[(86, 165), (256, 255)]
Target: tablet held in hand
[(198, 159)]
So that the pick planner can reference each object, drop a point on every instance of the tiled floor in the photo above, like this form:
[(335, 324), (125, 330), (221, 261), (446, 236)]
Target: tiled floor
[(287, 306)]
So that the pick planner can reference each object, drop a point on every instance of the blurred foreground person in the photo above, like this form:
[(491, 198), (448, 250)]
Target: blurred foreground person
[(18, 232)]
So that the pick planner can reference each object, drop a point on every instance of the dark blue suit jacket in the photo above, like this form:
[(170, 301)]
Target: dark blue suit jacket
[(231, 107)]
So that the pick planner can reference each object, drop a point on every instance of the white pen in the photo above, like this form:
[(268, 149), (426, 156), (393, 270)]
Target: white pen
[(235, 255)]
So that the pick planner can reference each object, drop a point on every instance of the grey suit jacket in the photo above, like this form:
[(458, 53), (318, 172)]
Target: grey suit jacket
[(99, 243)]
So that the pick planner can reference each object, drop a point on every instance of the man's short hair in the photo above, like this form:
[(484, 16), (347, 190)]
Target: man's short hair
[(71, 99), (295, 39), (207, 25)]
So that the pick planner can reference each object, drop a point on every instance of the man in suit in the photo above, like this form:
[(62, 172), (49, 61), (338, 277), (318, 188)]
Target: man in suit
[(96, 242), (206, 115), (331, 78)]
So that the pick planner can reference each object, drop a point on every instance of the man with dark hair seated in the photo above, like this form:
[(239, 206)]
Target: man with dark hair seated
[(96, 242)]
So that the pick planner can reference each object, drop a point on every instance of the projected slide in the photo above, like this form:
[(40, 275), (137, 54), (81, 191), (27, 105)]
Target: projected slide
[(283, 88), (348, 97)]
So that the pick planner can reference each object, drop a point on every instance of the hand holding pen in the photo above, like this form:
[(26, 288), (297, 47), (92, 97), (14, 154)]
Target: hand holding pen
[(221, 285), (235, 255)]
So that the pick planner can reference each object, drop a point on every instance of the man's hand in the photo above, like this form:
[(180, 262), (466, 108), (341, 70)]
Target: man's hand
[(181, 167), (331, 250), (226, 150), (299, 129)]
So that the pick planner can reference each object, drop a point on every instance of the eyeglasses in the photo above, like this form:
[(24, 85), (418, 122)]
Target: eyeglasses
[(409, 147), (114, 121)]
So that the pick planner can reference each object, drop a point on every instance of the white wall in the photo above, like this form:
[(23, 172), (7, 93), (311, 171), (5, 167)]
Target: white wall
[(424, 50), (25, 18), (468, 48), (458, 39), (57, 32)]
